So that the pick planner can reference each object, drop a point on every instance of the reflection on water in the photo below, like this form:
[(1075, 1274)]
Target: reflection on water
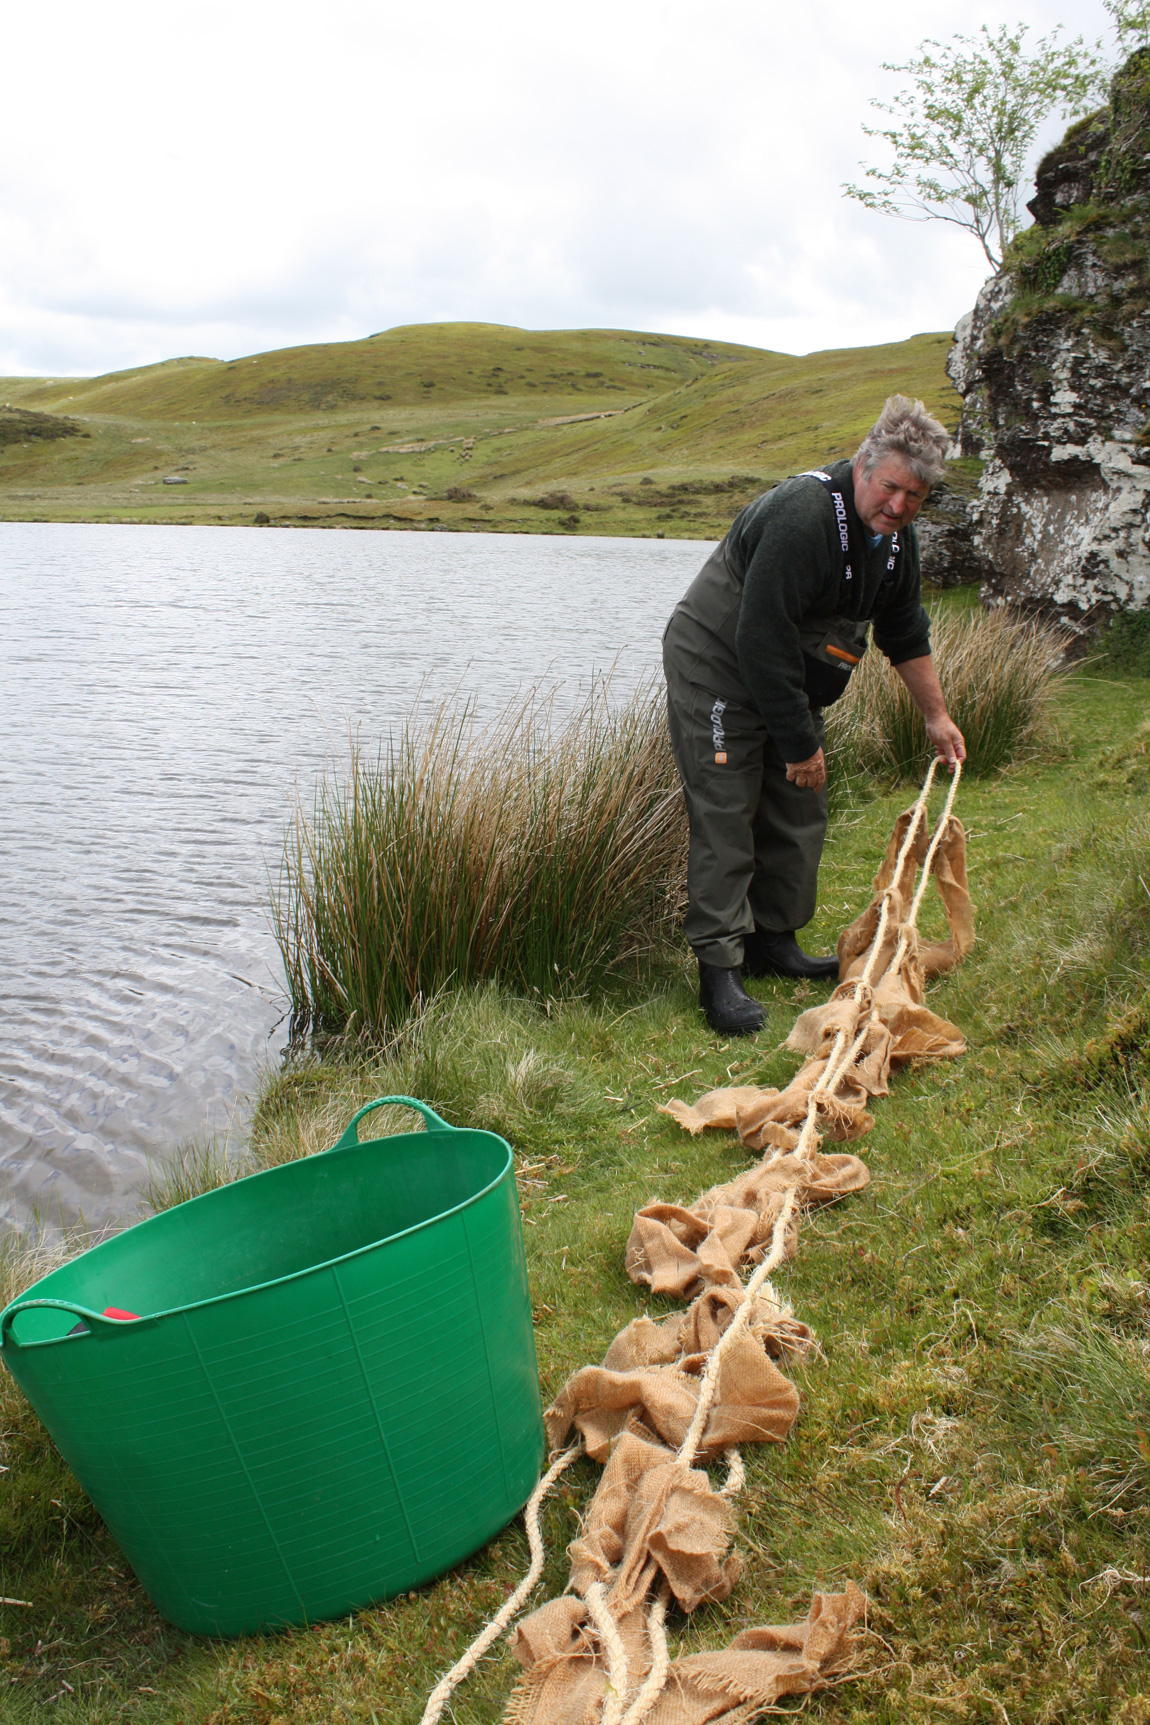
[(163, 692)]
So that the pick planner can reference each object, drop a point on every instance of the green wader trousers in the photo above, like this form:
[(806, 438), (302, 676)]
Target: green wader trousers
[(756, 839)]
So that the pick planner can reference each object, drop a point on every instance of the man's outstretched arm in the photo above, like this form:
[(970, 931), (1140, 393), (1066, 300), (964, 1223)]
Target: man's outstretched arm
[(921, 680)]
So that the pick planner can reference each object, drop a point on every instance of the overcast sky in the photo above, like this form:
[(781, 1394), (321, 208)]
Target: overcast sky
[(226, 178)]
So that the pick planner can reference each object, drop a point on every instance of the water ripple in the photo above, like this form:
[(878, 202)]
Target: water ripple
[(164, 694)]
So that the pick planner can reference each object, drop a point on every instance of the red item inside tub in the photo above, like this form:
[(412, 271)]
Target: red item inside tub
[(118, 1312)]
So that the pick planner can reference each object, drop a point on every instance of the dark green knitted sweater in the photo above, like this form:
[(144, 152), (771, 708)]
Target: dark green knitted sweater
[(782, 564)]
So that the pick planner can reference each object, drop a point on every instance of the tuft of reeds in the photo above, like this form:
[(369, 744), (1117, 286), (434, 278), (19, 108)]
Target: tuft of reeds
[(537, 854), (996, 673)]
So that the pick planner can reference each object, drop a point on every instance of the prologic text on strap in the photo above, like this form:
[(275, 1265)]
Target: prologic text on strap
[(839, 502)]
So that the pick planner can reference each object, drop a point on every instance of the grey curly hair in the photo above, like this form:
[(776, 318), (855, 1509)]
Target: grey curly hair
[(905, 428)]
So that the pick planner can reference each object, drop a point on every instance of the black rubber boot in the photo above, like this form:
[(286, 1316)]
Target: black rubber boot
[(767, 954), (727, 1006)]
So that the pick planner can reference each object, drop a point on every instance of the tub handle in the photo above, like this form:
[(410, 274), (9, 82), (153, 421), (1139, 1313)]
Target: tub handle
[(431, 1118), (94, 1320)]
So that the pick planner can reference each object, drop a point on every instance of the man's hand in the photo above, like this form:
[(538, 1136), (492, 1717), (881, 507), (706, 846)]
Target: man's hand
[(947, 739), (812, 774), (921, 680)]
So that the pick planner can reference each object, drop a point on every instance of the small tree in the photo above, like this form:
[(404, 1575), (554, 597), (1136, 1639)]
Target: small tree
[(967, 123), (1131, 22)]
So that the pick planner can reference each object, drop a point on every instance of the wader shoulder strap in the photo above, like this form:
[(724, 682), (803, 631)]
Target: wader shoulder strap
[(840, 507)]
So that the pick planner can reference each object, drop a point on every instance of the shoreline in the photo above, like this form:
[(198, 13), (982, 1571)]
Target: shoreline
[(376, 522)]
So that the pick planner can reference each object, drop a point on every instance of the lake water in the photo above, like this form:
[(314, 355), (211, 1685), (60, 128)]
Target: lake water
[(164, 693)]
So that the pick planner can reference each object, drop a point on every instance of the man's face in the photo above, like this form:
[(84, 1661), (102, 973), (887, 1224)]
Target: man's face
[(890, 496)]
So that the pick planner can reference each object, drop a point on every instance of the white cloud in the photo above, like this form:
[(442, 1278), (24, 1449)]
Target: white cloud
[(222, 179)]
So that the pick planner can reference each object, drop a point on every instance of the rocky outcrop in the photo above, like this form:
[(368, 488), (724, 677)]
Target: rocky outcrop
[(1054, 368), (945, 527)]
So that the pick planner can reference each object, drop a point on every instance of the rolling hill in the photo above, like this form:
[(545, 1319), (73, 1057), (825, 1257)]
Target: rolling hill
[(478, 427)]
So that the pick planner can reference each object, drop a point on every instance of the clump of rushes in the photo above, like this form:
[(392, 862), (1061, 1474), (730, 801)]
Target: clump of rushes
[(541, 855), (996, 673)]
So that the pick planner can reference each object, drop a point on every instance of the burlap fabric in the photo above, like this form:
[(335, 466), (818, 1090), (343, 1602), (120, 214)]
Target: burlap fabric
[(646, 1343), (565, 1682), (656, 1528), (754, 1403), (655, 1520), (767, 1118), (886, 1019), (948, 871), (682, 1250)]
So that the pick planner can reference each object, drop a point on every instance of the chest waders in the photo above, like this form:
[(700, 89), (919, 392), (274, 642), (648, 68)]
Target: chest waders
[(756, 838)]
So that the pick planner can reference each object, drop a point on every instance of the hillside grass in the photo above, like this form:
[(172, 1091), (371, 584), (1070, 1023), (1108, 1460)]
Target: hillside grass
[(465, 427), (972, 1446)]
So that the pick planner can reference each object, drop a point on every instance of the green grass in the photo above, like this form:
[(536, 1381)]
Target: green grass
[(969, 1444), (1124, 644), (476, 427)]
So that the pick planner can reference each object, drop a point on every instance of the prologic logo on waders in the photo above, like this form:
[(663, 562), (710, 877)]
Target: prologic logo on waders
[(717, 735)]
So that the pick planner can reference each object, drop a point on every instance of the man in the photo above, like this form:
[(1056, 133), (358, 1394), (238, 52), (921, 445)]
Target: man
[(765, 638)]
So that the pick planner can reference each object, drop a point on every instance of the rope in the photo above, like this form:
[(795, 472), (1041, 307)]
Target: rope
[(927, 865), (661, 1660), (928, 860), (608, 1631), (917, 814), (657, 1616), (846, 1047), (737, 1325), (736, 1475), (844, 1052), (911, 921), (653, 1686), (511, 1607)]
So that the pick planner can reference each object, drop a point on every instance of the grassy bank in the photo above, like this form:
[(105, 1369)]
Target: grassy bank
[(973, 1443), (466, 427)]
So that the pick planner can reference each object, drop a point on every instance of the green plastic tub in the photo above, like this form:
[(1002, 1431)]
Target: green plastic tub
[(330, 1394)]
